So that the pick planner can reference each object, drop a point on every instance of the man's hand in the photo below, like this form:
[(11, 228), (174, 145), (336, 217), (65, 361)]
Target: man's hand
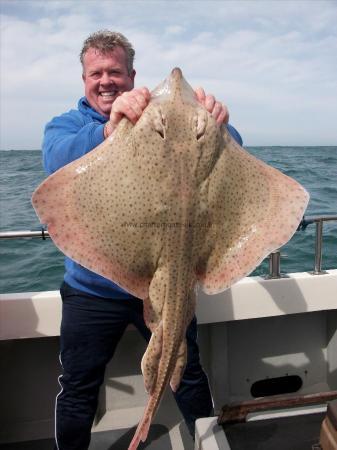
[(217, 109), (130, 104)]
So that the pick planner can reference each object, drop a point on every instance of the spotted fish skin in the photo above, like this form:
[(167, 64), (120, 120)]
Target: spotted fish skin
[(172, 288), (164, 205)]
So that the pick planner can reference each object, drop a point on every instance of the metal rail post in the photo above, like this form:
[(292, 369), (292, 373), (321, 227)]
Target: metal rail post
[(318, 248), (274, 265)]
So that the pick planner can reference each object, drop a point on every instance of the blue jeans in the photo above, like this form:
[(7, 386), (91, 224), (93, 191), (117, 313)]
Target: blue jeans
[(90, 331)]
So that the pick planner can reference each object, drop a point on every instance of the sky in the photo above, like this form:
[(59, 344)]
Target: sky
[(272, 62)]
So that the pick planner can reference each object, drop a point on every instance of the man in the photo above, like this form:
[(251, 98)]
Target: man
[(95, 311)]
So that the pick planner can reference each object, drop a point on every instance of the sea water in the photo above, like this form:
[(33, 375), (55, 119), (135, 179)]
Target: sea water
[(29, 265)]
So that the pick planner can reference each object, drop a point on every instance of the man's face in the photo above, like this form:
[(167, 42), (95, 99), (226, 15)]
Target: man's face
[(105, 76)]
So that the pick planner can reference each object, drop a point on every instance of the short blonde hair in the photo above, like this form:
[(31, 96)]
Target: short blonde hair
[(105, 41)]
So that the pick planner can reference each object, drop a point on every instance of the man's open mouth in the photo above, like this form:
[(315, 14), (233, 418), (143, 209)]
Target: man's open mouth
[(107, 95)]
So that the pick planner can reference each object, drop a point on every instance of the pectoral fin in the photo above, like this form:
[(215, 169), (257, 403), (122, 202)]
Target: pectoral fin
[(253, 209)]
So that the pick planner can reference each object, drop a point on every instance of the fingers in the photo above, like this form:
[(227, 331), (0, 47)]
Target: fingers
[(217, 109), (223, 116), (220, 113), (130, 104), (200, 93)]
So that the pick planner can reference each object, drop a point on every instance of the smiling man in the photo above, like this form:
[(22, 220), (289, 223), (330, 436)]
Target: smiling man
[(105, 78), (95, 311)]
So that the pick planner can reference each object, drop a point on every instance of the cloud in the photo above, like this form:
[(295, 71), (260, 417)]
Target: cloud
[(273, 63)]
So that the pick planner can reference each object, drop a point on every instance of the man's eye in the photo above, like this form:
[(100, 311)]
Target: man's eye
[(114, 73)]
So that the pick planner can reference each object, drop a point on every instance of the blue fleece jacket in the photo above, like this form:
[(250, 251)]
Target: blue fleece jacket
[(66, 138)]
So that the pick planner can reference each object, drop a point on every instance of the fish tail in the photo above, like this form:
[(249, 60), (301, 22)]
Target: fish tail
[(151, 358), (143, 426), (164, 373), (179, 366)]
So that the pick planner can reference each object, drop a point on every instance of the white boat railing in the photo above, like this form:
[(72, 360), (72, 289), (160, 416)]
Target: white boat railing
[(274, 257), (41, 233)]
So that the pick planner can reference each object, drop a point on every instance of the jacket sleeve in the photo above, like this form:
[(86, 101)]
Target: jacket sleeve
[(67, 138), (235, 134)]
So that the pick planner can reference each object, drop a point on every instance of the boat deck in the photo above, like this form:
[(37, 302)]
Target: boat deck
[(295, 433), (112, 432), (158, 439)]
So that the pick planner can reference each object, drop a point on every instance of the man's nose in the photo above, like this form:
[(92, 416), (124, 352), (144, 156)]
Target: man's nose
[(106, 79)]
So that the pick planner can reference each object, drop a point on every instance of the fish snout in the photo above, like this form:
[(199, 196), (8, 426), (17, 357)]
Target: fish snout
[(177, 73)]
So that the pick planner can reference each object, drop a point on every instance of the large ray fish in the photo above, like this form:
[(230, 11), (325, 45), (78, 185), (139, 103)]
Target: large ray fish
[(165, 204)]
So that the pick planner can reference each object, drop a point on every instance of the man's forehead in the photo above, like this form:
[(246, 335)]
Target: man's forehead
[(93, 55)]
